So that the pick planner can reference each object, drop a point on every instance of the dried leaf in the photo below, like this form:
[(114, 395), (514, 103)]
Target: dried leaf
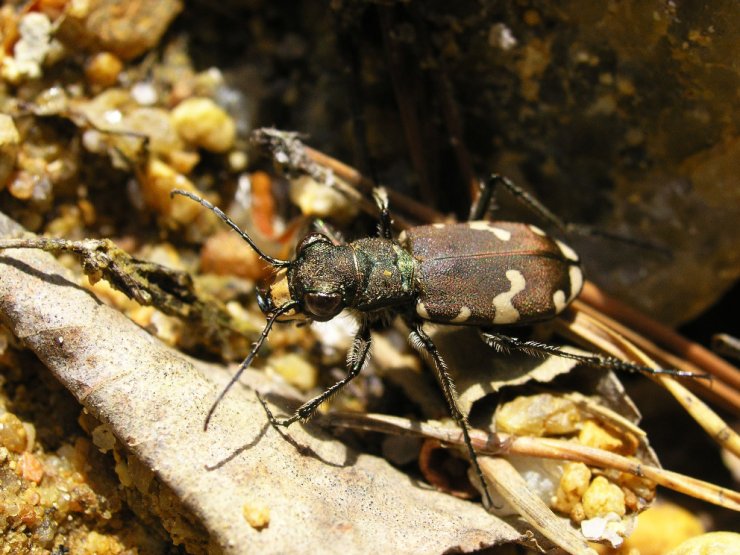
[(250, 487)]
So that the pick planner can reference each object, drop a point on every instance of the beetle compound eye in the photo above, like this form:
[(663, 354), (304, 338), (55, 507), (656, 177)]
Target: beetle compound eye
[(323, 306), (312, 238)]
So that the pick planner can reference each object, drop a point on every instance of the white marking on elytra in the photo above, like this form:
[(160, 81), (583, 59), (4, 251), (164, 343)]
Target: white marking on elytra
[(502, 234), (568, 253), (537, 230), (576, 282), (462, 316), (558, 300), (402, 237), (505, 311), (439, 226), (421, 310)]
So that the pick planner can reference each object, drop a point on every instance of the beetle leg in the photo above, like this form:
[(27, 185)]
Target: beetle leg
[(505, 343), (424, 344), (380, 195), (355, 361), (482, 205)]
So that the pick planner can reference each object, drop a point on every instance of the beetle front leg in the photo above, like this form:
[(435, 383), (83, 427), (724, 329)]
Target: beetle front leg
[(505, 343), (380, 195), (424, 344), (355, 361)]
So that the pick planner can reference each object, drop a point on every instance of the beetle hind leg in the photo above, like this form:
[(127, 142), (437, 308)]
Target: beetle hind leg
[(483, 205), (424, 344), (505, 343), (355, 361)]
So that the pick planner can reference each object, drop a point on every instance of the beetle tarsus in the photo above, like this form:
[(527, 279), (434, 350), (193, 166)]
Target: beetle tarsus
[(358, 356)]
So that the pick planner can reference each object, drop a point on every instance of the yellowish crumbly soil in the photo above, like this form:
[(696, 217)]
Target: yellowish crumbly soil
[(57, 492)]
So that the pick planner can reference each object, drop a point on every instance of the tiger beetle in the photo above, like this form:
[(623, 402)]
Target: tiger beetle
[(493, 275)]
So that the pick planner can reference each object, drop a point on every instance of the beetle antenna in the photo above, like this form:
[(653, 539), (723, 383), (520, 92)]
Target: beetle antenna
[(250, 357), (216, 210)]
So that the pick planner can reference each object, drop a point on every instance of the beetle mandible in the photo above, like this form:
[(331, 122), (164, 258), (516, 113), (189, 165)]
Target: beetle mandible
[(493, 275)]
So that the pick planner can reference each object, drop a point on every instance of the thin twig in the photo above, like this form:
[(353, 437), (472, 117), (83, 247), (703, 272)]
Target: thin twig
[(514, 489), (717, 390), (505, 444), (171, 291), (287, 150), (600, 334), (661, 335), (399, 201)]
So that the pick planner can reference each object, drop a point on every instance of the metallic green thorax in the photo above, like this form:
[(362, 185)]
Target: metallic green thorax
[(386, 272)]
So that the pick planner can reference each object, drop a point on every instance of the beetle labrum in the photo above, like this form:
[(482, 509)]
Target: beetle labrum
[(492, 275)]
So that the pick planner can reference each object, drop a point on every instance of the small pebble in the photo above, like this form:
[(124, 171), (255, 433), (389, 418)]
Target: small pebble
[(295, 370), (12, 433), (663, 527), (203, 123), (103, 69), (256, 515), (159, 180), (573, 484), (603, 497), (9, 144)]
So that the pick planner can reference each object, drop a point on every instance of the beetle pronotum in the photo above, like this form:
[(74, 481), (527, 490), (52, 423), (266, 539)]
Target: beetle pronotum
[(492, 275)]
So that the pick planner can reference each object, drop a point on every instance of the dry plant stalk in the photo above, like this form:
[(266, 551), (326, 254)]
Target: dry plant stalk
[(588, 326), (171, 291), (515, 490), (287, 150), (504, 444)]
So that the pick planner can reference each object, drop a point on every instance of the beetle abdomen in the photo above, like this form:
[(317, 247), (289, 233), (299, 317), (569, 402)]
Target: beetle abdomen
[(491, 273)]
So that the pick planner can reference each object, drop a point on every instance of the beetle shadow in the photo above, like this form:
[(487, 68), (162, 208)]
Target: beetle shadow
[(301, 448), (316, 430), (239, 451)]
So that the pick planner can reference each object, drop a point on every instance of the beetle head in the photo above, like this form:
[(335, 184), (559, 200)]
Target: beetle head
[(322, 279)]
